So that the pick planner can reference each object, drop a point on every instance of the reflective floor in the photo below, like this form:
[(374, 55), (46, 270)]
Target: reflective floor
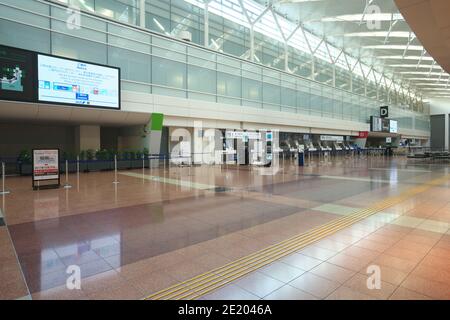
[(157, 228)]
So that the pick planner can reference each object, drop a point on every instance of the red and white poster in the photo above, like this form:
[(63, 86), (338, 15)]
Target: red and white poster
[(45, 164)]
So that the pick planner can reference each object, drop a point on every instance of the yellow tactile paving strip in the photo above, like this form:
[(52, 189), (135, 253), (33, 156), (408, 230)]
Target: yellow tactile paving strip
[(214, 279)]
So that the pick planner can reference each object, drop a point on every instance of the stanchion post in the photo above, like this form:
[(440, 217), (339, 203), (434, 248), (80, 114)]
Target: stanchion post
[(3, 191), (115, 170), (67, 185)]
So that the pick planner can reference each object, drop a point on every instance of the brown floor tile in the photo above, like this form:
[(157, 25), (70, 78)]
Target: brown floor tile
[(230, 292), (345, 293), (427, 287), (301, 261), (152, 282), (349, 262), (288, 292), (119, 292), (259, 284), (405, 294), (359, 283), (60, 293), (317, 252), (315, 285), (282, 271), (332, 272), (372, 245), (432, 273), (395, 263)]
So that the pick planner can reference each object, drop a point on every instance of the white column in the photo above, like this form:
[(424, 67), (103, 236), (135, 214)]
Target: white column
[(206, 25), (252, 44), (87, 138), (142, 13), (286, 58), (447, 142)]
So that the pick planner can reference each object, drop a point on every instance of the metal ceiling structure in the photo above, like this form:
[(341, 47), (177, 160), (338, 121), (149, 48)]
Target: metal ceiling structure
[(368, 38), (375, 33)]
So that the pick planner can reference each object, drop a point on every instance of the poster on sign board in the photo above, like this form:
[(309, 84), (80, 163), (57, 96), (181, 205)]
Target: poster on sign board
[(45, 165)]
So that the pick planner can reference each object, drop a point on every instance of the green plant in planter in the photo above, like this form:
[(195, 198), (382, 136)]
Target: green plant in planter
[(102, 154), (145, 152), (110, 154), (24, 156), (90, 154), (82, 155)]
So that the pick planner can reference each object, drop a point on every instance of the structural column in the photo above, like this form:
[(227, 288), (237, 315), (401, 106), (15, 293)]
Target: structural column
[(206, 24), (87, 137), (447, 131), (142, 13)]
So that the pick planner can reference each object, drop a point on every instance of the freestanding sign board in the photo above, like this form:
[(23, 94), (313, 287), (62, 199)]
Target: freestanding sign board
[(45, 168)]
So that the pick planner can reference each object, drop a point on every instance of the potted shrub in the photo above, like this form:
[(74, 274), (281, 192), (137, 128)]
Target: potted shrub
[(102, 157), (24, 161), (136, 159)]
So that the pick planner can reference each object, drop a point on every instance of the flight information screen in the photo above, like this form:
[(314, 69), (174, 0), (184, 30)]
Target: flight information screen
[(73, 82), (17, 74)]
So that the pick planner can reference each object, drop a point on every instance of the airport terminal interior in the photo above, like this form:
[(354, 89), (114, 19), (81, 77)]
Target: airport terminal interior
[(224, 150)]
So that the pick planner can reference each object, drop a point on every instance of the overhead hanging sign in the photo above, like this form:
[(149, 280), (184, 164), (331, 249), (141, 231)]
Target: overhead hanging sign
[(384, 112)]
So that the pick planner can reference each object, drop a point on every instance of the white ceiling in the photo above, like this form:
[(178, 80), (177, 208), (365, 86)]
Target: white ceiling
[(34, 112), (375, 32)]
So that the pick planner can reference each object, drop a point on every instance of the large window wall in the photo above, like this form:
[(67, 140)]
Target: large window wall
[(155, 64)]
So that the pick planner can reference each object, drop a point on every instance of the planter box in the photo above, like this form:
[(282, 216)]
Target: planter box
[(123, 164), (72, 167), (26, 169), (99, 165), (136, 164)]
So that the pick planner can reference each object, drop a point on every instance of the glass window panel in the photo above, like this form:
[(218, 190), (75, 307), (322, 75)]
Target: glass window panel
[(251, 89), (201, 80), (67, 46), (228, 85), (168, 73), (18, 35), (133, 65)]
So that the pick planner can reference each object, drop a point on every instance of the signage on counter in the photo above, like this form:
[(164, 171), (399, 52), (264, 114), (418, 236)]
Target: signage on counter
[(243, 135), (331, 138), (363, 134), (46, 166)]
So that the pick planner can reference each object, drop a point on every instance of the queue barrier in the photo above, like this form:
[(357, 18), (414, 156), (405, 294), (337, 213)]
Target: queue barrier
[(3, 190)]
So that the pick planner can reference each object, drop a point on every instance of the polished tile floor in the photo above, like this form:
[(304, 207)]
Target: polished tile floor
[(157, 228)]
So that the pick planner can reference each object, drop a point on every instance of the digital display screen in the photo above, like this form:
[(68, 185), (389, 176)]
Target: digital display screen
[(17, 74), (72, 82), (376, 124), (383, 125), (393, 126)]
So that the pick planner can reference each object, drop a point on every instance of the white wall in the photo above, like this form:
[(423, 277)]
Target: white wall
[(184, 112), (87, 138), (441, 106)]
